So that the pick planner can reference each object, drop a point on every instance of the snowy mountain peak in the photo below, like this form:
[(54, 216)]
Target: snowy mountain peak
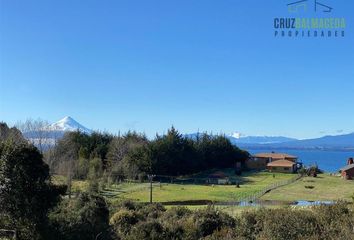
[(236, 135), (68, 124)]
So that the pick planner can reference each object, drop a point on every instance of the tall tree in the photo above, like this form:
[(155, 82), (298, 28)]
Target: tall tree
[(26, 191)]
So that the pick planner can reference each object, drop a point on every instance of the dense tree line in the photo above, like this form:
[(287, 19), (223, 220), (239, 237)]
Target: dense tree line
[(173, 154), (133, 156)]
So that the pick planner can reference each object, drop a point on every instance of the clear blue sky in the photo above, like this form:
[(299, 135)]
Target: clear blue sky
[(211, 65)]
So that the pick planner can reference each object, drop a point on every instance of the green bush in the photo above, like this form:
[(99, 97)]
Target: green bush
[(139, 221), (282, 224), (209, 220), (151, 229), (321, 222), (123, 220), (335, 221), (80, 219)]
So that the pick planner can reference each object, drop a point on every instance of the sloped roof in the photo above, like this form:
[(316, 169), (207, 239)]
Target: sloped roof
[(274, 155), (281, 163), (350, 166), (217, 174)]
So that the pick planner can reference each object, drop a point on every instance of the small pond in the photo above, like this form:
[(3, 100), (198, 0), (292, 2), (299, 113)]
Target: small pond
[(256, 203), (312, 203), (301, 203)]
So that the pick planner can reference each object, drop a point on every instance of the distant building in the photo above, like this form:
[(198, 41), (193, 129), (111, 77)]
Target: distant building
[(260, 161), (218, 178), (284, 166), (347, 172)]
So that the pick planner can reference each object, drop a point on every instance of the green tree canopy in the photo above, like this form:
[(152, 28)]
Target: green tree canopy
[(26, 191)]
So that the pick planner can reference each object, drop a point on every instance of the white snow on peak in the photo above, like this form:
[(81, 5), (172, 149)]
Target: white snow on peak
[(236, 135), (68, 124)]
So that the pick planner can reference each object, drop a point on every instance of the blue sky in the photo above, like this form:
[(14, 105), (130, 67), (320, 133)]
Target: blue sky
[(197, 64)]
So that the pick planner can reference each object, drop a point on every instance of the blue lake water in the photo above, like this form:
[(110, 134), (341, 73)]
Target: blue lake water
[(300, 203), (328, 161)]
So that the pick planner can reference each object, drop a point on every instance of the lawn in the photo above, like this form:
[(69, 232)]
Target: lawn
[(322, 188), (250, 183), (194, 196)]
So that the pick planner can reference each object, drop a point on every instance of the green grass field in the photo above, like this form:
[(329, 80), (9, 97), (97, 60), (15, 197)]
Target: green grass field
[(322, 188), (251, 183), (325, 187)]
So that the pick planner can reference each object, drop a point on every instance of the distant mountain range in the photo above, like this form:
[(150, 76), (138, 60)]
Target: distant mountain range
[(237, 138), (342, 142), (260, 140), (339, 142), (55, 131)]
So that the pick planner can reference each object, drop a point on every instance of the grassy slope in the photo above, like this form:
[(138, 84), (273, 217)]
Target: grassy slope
[(252, 183), (326, 187)]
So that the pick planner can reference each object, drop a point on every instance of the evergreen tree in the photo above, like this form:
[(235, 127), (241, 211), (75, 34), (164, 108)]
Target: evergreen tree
[(26, 192)]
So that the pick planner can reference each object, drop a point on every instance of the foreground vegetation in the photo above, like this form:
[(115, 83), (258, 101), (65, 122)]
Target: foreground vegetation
[(136, 221)]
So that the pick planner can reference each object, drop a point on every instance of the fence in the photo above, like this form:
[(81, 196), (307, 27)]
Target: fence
[(240, 200)]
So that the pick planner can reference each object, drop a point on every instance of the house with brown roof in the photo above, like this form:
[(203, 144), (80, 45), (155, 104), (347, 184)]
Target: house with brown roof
[(260, 161), (347, 172), (284, 166), (218, 178)]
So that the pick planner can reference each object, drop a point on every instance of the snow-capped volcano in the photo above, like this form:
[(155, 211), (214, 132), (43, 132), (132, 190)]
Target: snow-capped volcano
[(236, 135), (68, 124), (46, 137)]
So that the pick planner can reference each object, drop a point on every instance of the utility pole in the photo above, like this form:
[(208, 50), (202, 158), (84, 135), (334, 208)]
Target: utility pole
[(151, 176)]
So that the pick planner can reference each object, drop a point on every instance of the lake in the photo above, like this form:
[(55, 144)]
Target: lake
[(328, 161)]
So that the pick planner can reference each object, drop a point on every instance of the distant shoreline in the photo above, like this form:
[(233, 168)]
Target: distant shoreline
[(296, 149)]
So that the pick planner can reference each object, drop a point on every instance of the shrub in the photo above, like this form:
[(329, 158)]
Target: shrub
[(128, 204), (177, 213), (148, 230), (224, 234), (174, 221), (321, 222), (123, 220), (282, 224), (209, 220), (336, 221), (153, 211), (83, 218), (138, 221), (250, 224)]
